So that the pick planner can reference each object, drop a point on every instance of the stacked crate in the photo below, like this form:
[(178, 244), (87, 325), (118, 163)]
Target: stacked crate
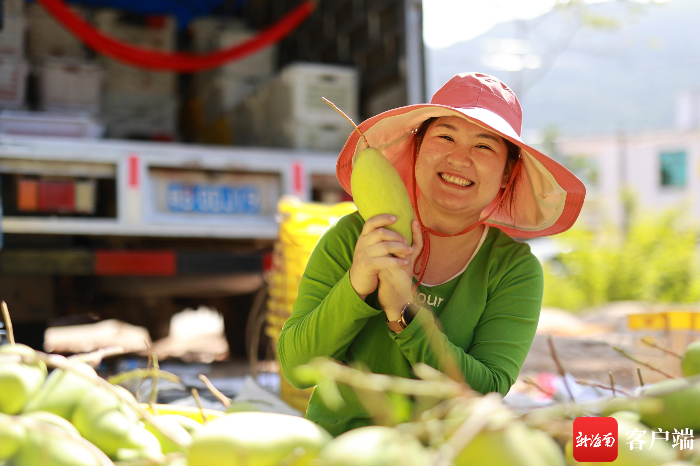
[(137, 102), (288, 111), (68, 82), (13, 68), (301, 226), (217, 92)]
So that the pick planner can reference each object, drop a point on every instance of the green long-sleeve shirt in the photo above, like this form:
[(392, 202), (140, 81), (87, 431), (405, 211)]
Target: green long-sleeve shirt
[(487, 320)]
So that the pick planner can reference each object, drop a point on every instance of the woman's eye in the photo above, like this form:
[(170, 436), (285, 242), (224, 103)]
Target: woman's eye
[(481, 146), (447, 138)]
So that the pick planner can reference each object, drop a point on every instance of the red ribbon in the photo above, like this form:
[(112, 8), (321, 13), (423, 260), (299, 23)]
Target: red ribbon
[(179, 62), (424, 255)]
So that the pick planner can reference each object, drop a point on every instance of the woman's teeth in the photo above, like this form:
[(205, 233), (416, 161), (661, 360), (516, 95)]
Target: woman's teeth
[(456, 180)]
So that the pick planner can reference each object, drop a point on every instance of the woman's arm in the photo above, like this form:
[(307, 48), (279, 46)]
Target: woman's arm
[(502, 338), (328, 313)]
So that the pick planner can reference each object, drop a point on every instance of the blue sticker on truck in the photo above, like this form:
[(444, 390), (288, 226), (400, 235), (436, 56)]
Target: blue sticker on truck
[(210, 199)]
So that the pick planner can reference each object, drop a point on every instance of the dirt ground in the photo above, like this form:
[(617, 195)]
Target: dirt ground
[(583, 343)]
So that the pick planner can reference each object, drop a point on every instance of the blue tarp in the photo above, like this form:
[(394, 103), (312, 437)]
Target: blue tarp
[(183, 10)]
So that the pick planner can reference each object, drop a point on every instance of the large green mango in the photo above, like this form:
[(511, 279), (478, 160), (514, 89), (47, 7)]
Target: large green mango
[(513, 445), (680, 408), (378, 189), (12, 436), (19, 381), (41, 448), (690, 364), (63, 391), (52, 419), (257, 439), (374, 446), (189, 424), (109, 422), (174, 429)]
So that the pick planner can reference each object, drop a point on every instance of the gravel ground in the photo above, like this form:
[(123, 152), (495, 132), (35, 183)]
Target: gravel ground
[(583, 343)]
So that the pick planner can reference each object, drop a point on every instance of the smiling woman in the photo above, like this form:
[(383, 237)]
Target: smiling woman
[(465, 298)]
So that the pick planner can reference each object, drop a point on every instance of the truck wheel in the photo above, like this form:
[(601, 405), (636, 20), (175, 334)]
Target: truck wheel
[(31, 334)]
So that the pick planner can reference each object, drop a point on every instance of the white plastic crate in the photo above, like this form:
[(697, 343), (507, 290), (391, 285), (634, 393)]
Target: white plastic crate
[(12, 36), (387, 99), (125, 79), (49, 39), (260, 65), (328, 136), (12, 8), (159, 33), (222, 95), (20, 123), (13, 83), (69, 87), (296, 93), (251, 122), (205, 29), (140, 116)]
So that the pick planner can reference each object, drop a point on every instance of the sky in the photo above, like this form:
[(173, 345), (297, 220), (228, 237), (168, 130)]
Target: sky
[(446, 22)]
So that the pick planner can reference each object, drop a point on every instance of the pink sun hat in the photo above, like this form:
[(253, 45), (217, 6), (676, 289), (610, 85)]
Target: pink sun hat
[(547, 197)]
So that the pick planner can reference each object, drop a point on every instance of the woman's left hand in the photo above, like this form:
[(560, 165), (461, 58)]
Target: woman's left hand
[(396, 283)]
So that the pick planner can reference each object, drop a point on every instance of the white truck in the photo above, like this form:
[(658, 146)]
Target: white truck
[(140, 230)]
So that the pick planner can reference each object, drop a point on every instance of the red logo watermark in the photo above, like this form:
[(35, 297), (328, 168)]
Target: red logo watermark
[(595, 439)]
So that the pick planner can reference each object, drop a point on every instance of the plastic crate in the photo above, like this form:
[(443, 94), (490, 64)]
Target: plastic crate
[(70, 87), (12, 36), (154, 32), (157, 33), (260, 65), (665, 321), (125, 79), (13, 83), (302, 134), (129, 115), (20, 123), (49, 39), (295, 95), (12, 8), (210, 34), (222, 94), (297, 399)]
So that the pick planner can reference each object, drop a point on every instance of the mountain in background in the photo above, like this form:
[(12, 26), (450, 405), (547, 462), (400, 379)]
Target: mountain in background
[(624, 74)]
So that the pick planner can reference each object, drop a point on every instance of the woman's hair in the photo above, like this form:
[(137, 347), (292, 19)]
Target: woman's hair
[(513, 154)]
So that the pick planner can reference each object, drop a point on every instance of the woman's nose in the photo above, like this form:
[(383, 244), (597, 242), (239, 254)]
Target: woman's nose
[(460, 158)]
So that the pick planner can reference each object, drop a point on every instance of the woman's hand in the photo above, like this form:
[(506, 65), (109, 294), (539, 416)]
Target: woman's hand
[(377, 249), (396, 283)]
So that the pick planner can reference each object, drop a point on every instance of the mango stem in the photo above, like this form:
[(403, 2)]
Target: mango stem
[(8, 323), (347, 118), (219, 396), (195, 395)]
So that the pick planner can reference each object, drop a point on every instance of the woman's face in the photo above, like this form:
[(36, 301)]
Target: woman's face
[(460, 166)]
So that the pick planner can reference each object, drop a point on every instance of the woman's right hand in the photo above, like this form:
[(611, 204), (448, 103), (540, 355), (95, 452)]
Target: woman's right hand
[(377, 248)]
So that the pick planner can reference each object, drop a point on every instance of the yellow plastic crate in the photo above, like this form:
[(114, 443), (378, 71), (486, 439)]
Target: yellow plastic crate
[(665, 321)]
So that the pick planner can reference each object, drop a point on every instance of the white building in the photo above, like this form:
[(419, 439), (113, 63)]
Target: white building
[(662, 167)]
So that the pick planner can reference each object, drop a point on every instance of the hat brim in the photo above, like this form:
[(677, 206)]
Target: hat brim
[(547, 196)]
